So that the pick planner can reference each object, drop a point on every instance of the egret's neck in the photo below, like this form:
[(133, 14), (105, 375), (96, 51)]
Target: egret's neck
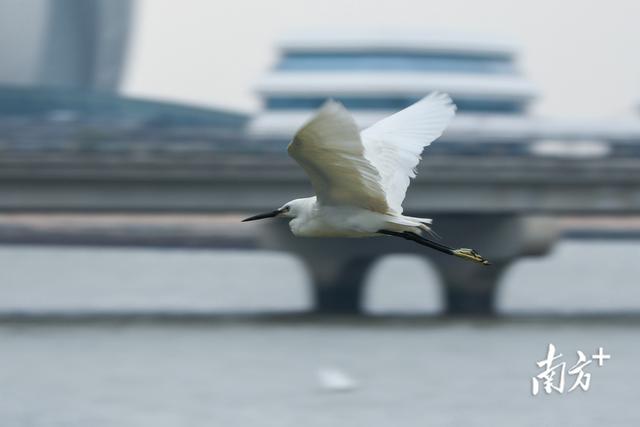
[(306, 207), (303, 211)]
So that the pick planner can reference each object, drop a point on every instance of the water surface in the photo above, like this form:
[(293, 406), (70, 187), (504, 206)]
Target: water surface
[(264, 372)]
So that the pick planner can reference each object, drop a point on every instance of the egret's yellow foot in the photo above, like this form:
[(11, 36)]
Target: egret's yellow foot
[(470, 254)]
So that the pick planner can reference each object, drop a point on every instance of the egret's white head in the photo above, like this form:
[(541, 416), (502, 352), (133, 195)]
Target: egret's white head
[(295, 208), (292, 209)]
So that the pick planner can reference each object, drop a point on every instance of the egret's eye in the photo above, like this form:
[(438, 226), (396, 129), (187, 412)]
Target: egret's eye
[(286, 209)]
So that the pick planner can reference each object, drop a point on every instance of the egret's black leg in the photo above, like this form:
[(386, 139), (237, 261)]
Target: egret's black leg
[(462, 252), (419, 239)]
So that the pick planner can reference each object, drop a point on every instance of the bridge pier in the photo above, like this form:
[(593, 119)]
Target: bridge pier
[(338, 267), (339, 284), (470, 289)]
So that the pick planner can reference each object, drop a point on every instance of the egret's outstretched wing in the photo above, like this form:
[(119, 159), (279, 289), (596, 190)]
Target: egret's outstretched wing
[(394, 144), (329, 149)]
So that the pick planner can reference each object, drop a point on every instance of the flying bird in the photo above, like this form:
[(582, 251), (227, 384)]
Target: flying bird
[(361, 178)]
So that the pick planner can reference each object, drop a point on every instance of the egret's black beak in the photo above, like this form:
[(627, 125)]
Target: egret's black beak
[(262, 216)]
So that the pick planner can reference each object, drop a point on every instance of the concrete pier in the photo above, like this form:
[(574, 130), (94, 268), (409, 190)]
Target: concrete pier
[(339, 267)]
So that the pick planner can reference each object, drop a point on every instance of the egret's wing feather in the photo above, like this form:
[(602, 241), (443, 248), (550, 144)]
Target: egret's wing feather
[(394, 144), (329, 149)]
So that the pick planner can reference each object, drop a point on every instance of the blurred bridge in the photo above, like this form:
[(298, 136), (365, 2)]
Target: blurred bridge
[(503, 204)]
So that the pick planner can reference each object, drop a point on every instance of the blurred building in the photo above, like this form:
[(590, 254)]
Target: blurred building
[(374, 74), (61, 64), (377, 73), (78, 44)]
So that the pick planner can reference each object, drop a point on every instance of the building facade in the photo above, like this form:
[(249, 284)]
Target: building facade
[(61, 64), (78, 44), (376, 74)]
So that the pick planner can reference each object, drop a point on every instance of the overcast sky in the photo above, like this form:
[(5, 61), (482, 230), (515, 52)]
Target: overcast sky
[(583, 55)]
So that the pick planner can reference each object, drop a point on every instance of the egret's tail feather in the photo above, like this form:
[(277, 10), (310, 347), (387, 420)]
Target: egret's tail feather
[(423, 225), (432, 233), (421, 220), (412, 224)]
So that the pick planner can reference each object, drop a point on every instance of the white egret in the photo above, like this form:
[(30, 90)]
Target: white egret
[(361, 178)]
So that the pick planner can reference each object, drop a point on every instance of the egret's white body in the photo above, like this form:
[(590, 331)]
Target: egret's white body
[(361, 178), (312, 219)]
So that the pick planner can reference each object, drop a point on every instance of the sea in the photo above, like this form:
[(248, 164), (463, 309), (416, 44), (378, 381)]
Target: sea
[(141, 337)]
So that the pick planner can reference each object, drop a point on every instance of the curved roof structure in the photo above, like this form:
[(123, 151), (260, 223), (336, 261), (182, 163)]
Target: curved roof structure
[(398, 41)]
